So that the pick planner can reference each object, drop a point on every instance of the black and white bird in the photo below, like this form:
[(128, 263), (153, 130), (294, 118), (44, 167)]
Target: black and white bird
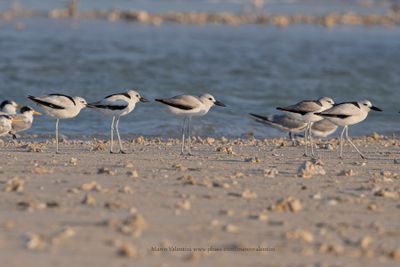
[(117, 105), (189, 106), (23, 120), (60, 106), (9, 107), (5, 124), (304, 111), (348, 113)]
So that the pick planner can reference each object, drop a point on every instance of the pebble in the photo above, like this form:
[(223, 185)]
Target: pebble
[(271, 173), (302, 234), (91, 186), (132, 173), (231, 228), (310, 168), (88, 200), (287, 204), (105, 170), (15, 184), (127, 250), (184, 204)]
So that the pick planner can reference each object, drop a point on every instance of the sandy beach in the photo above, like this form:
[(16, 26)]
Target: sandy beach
[(236, 202)]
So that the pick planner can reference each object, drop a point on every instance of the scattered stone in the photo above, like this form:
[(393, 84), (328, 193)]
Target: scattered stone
[(396, 161), (395, 254), (287, 204), (127, 250), (247, 193), (35, 242), (332, 249), (226, 149), (15, 184), (310, 168), (64, 234), (365, 242), (230, 228), (73, 161), (252, 160), (126, 189), (301, 234), (184, 204), (113, 205), (88, 200), (270, 173), (132, 173), (262, 216), (42, 170), (179, 167), (349, 172), (134, 225), (387, 194), (105, 170), (32, 205), (91, 186)]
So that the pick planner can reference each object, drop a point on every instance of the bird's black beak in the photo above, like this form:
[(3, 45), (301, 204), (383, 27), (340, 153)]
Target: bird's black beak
[(144, 100), (219, 103), (376, 109)]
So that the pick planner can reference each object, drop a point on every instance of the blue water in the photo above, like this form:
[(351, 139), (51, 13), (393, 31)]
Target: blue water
[(250, 68)]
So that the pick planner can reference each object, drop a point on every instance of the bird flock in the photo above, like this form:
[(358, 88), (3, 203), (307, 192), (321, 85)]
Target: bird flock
[(318, 118)]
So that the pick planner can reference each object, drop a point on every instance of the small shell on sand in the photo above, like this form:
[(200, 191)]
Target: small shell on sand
[(127, 250), (88, 200), (287, 204), (15, 184), (225, 149), (184, 205), (91, 186), (230, 228), (35, 242), (301, 234), (310, 168)]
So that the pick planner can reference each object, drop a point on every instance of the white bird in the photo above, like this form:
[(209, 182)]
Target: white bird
[(9, 107), (60, 106), (281, 122), (190, 106), (323, 128), (305, 111), (5, 124), (117, 105), (23, 120), (346, 114)]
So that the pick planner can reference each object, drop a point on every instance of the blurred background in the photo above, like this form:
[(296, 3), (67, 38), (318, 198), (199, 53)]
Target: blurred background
[(252, 55)]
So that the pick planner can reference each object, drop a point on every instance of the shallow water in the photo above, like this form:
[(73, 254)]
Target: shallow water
[(250, 68)]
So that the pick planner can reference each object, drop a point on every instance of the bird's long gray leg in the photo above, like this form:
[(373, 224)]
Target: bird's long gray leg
[(112, 135), (310, 139), (306, 141), (341, 142), (119, 137), (183, 136), (57, 151), (189, 136), (348, 139)]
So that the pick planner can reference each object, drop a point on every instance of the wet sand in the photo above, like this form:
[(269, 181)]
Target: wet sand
[(244, 199)]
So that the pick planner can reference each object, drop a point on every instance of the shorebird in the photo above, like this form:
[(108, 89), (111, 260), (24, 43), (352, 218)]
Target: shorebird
[(117, 105), (5, 124), (60, 106), (189, 106), (282, 122), (348, 113), (305, 111), (323, 128), (23, 120), (9, 107)]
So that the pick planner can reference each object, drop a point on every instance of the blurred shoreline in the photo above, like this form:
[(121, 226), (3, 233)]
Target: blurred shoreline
[(389, 18)]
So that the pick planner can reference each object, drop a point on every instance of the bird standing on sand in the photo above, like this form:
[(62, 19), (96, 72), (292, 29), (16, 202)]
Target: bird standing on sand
[(346, 114), (189, 106), (23, 120), (323, 128), (60, 106), (5, 124), (9, 107), (282, 122), (117, 105), (305, 111)]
